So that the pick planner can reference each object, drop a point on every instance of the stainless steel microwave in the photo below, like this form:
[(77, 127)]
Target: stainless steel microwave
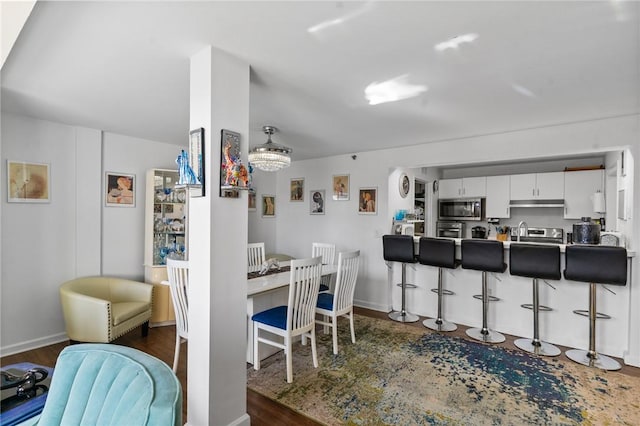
[(461, 209)]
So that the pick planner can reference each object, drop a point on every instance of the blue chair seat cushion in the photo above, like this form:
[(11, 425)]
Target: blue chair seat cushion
[(325, 301), (275, 317)]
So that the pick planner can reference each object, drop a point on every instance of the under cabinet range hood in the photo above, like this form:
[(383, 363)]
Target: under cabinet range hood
[(536, 203)]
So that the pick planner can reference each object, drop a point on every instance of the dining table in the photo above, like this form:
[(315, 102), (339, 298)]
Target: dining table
[(268, 291)]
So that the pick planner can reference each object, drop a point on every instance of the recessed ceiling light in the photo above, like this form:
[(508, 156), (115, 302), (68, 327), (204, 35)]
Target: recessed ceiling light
[(395, 89), (454, 43)]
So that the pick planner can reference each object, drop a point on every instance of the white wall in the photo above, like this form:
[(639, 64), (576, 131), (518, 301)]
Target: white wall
[(263, 229), (74, 235)]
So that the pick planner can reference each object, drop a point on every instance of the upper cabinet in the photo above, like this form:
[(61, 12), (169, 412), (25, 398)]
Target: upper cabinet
[(537, 186), (497, 203), (463, 187), (579, 188)]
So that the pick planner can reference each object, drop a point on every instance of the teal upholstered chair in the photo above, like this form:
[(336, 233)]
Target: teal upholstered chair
[(102, 384)]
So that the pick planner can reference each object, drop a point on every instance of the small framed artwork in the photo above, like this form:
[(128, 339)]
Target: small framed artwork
[(268, 206), (28, 182), (196, 157), (296, 189), (368, 198), (251, 196), (316, 201), (340, 187), (120, 190)]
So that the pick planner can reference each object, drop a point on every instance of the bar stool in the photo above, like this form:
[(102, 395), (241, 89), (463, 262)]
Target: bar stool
[(537, 262), (485, 256), (400, 248), (441, 253), (595, 265)]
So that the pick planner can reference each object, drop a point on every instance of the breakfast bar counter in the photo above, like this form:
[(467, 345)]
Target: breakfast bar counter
[(559, 326)]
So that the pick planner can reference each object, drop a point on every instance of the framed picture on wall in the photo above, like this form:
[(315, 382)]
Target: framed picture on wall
[(368, 199), (316, 201), (196, 158), (296, 189), (268, 206), (251, 197), (28, 182), (340, 187), (120, 189)]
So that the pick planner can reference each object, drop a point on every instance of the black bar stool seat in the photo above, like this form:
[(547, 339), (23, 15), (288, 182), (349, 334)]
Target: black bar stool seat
[(485, 256), (400, 248), (537, 262), (595, 265), (441, 253)]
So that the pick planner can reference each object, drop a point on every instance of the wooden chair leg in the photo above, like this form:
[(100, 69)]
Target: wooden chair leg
[(145, 329), (176, 354)]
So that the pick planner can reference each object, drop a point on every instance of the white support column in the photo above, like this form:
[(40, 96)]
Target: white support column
[(216, 380)]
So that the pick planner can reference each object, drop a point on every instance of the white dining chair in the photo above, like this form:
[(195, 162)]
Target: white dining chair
[(178, 273), (297, 318), (256, 256), (328, 253), (340, 303)]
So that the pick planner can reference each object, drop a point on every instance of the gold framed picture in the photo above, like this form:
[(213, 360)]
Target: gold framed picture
[(296, 189), (368, 200), (268, 206)]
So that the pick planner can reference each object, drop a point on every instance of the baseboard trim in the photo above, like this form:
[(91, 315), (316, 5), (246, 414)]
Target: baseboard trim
[(633, 360), (373, 306), (243, 420), (33, 344)]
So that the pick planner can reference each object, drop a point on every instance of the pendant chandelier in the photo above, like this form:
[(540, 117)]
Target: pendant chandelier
[(270, 156)]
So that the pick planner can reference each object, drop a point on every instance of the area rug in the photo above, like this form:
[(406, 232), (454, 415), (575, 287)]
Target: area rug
[(397, 374)]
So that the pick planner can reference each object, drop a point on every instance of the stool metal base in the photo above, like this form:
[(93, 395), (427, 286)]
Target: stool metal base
[(485, 335), (602, 362), (542, 348), (439, 325), (403, 317)]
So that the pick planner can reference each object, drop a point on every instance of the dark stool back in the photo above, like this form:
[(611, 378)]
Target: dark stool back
[(485, 256), (441, 253), (595, 265), (400, 248), (537, 262)]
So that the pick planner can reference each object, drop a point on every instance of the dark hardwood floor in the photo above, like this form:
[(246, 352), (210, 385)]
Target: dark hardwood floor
[(263, 411)]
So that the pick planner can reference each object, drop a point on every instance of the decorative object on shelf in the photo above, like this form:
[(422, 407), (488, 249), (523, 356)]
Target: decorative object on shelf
[(367, 201), (120, 190), (27, 182), (270, 156), (340, 187), (268, 265), (187, 176), (316, 201), (296, 189), (196, 160), (405, 185), (251, 200), (268, 206), (233, 174)]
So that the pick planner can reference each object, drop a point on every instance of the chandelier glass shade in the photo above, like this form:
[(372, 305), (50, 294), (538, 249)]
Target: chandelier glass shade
[(270, 156)]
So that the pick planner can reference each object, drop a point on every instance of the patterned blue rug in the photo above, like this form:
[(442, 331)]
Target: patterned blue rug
[(401, 375)]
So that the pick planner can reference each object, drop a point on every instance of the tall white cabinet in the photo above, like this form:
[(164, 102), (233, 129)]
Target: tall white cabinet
[(165, 237)]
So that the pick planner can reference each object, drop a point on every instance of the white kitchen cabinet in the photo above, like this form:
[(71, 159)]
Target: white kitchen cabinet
[(497, 202), (165, 236), (537, 186), (463, 187), (579, 187)]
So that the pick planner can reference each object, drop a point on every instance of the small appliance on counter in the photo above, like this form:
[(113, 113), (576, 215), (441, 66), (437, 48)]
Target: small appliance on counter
[(586, 232), (479, 232), (450, 229), (611, 238)]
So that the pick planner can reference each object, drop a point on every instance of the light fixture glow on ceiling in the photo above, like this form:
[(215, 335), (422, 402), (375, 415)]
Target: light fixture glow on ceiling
[(455, 42), (395, 89), (523, 90)]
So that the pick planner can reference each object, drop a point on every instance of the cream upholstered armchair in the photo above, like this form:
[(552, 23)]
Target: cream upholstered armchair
[(101, 309)]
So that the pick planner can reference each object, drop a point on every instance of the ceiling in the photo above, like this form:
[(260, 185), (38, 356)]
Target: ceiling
[(123, 67)]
